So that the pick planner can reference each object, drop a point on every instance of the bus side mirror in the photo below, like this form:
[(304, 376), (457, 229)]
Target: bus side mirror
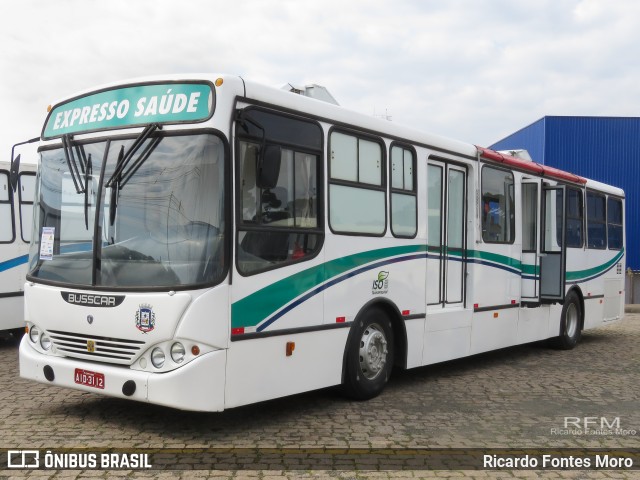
[(14, 173), (268, 169)]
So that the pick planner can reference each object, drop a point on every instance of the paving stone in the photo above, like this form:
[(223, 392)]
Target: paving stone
[(512, 398)]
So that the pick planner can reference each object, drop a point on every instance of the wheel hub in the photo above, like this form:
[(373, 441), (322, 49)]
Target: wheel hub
[(373, 351), (572, 320)]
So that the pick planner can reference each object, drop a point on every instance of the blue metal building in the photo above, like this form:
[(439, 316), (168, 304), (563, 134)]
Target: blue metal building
[(606, 149)]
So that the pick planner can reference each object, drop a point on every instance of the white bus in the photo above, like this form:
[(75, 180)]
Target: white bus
[(16, 218), (207, 242)]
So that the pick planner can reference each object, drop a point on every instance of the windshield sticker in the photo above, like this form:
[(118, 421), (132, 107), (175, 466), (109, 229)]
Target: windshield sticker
[(132, 106), (46, 243)]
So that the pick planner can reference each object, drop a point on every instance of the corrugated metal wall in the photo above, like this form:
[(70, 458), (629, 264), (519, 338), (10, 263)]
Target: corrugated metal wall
[(606, 149), (531, 138)]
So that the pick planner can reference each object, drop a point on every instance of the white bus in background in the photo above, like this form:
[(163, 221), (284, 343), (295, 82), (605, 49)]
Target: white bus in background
[(205, 242), (16, 217)]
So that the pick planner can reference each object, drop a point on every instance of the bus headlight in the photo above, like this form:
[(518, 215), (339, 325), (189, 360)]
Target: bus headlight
[(157, 357), (45, 342), (177, 352), (34, 334)]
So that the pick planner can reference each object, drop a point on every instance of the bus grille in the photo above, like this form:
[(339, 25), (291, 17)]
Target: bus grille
[(105, 349)]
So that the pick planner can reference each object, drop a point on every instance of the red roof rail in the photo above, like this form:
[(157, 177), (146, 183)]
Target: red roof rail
[(530, 166)]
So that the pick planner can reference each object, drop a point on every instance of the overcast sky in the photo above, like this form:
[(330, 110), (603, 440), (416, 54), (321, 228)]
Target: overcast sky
[(474, 70)]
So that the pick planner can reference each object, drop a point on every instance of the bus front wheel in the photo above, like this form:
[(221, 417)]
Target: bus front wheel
[(369, 357), (570, 328)]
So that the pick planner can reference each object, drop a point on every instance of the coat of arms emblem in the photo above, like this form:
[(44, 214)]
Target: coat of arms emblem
[(145, 318)]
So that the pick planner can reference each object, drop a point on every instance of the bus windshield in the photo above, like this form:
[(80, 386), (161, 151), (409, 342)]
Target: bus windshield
[(154, 221)]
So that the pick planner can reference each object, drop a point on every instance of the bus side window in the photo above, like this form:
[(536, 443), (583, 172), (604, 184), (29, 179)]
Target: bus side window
[(278, 224), (596, 221), (7, 230), (498, 220), (404, 213), (26, 187), (357, 190), (290, 205), (574, 218), (614, 223)]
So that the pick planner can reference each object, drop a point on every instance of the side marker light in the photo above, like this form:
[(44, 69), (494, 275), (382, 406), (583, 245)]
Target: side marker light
[(291, 346)]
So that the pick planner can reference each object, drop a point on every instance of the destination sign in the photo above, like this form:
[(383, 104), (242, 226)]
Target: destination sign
[(132, 106)]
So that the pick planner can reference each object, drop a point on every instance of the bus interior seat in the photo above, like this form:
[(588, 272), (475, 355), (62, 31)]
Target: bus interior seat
[(269, 245)]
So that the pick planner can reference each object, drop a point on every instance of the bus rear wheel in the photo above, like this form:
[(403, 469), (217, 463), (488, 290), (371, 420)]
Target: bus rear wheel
[(570, 323), (369, 357)]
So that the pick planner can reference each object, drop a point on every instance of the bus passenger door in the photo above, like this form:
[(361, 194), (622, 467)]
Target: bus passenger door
[(553, 255), (446, 234), (530, 253), (448, 322)]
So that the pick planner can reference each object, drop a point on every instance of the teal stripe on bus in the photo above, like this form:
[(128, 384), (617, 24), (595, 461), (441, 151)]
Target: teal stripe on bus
[(589, 273), (262, 304), (254, 308)]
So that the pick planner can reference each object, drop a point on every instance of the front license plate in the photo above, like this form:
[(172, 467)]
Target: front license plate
[(89, 378)]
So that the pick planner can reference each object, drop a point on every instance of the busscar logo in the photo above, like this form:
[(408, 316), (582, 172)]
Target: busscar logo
[(381, 284), (92, 300)]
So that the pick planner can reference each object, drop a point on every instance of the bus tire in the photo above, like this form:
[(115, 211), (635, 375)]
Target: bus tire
[(570, 323), (369, 358), (17, 333)]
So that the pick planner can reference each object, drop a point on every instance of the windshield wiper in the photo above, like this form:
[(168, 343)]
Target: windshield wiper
[(128, 155), (75, 170), (120, 177), (80, 170), (87, 179), (130, 172), (114, 190)]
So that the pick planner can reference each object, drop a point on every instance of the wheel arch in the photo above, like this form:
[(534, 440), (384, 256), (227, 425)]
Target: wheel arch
[(399, 331)]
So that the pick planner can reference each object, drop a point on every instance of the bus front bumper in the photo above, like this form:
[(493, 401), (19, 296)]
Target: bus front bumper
[(198, 385)]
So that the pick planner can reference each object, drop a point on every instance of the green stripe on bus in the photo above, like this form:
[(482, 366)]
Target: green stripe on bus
[(254, 308), (495, 258), (590, 272), (528, 269)]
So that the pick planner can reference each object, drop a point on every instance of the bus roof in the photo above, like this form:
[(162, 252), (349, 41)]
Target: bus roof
[(341, 116), (605, 188), (344, 117)]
